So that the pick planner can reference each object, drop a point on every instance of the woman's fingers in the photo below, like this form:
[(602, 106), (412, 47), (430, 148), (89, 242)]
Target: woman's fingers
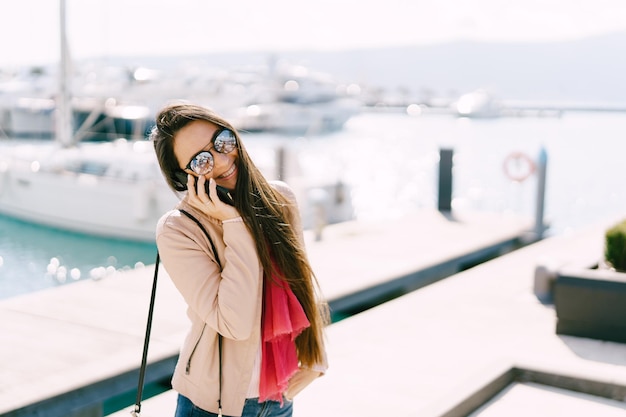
[(195, 192), (190, 184), (196, 189), (200, 190), (208, 203)]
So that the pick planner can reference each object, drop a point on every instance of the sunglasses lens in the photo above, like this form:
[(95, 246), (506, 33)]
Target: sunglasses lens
[(202, 163), (225, 142)]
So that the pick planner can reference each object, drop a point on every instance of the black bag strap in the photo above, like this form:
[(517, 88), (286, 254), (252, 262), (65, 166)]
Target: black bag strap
[(144, 357), (142, 371), (206, 234)]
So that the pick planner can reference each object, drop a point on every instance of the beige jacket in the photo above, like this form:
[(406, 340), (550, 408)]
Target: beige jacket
[(228, 303)]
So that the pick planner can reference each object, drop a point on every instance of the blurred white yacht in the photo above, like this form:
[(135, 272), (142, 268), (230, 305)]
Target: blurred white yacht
[(112, 189), (108, 189), (478, 104), (28, 104), (299, 101)]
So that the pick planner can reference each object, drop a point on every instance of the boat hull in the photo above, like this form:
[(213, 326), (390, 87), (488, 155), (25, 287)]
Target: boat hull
[(82, 198)]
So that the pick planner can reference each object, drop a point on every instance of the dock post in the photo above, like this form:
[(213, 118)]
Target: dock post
[(445, 179), (280, 163), (319, 199), (542, 163)]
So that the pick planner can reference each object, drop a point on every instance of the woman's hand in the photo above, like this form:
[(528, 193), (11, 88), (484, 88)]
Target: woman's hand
[(209, 204), (300, 381)]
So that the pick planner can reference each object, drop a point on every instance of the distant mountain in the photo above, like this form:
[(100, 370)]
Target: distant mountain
[(586, 70)]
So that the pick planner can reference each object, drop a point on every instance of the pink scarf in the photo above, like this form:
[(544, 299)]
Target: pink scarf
[(282, 321)]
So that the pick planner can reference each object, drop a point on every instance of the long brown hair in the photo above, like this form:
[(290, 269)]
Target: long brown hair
[(267, 214)]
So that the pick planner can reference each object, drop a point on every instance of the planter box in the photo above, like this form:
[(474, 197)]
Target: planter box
[(591, 303)]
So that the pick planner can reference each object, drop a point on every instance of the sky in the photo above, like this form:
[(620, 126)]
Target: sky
[(101, 28)]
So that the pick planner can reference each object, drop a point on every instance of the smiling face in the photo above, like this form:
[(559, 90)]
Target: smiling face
[(197, 136)]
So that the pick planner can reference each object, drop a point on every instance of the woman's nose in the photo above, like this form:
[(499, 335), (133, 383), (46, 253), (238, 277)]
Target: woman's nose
[(219, 159)]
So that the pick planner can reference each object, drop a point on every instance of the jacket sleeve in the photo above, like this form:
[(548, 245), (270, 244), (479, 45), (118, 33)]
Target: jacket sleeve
[(226, 300)]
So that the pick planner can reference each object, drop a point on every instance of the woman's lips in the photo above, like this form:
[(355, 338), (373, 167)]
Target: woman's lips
[(226, 175)]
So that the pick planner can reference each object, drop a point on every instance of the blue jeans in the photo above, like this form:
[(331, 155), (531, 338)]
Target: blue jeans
[(251, 408)]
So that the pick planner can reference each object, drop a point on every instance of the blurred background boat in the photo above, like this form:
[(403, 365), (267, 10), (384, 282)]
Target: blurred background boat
[(109, 189), (297, 100), (379, 163), (115, 189), (478, 103), (109, 102)]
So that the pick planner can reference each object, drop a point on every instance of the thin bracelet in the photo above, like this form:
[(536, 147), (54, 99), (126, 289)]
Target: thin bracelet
[(233, 220)]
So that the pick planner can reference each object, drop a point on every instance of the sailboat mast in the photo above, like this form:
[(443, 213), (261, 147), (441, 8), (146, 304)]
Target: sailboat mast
[(63, 122)]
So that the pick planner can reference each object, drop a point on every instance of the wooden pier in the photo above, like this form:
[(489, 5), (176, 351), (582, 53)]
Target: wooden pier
[(67, 350), (477, 344)]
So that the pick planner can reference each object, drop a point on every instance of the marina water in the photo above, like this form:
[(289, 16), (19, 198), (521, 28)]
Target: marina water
[(390, 163)]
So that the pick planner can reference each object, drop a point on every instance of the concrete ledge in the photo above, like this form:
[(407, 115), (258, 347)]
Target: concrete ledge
[(466, 399), (87, 400), (93, 330), (472, 393), (462, 344), (374, 295), (70, 348), (454, 345), (163, 404), (467, 403)]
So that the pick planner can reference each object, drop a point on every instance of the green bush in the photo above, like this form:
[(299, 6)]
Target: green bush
[(615, 246)]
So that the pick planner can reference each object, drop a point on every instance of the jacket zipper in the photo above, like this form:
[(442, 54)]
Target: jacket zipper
[(187, 368)]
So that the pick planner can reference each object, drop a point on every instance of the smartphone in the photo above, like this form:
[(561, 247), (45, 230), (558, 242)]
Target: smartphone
[(222, 192)]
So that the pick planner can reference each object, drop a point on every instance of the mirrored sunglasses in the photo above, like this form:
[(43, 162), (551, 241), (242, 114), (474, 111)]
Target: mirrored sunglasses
[(223, 141)]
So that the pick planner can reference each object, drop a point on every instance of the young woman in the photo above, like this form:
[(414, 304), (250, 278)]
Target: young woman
[(256, 336)]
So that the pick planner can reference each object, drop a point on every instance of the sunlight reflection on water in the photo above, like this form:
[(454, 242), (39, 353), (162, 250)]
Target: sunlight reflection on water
[(390, 161), (390, 164), (36, 257)]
